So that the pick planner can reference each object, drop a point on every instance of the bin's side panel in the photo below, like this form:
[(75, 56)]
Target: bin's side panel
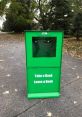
[(27, 51), (26, 61), (43, 82)]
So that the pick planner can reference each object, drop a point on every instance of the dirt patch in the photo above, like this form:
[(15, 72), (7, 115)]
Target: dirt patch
[(11, 37), (73, 47)]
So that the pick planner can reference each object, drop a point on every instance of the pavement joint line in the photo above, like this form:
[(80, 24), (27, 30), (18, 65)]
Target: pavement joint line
[(72, 81), (27, 109), (75, 106)]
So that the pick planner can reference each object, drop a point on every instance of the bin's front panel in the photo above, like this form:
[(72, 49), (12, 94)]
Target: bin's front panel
[(43, 82), (43, 49)]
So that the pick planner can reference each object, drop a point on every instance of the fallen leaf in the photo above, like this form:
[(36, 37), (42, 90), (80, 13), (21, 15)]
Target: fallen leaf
[(6, 92), (49, 114)]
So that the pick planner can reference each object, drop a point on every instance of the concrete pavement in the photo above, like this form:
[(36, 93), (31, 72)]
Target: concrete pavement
[(13, 102)]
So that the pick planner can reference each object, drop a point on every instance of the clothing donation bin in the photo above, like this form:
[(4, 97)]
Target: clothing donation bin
[(43, 63)]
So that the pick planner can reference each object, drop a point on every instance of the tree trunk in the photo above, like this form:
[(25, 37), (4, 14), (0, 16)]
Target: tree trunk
[(77, 36)]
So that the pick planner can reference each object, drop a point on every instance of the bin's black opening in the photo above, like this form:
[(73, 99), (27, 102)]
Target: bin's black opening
[(44, 46)]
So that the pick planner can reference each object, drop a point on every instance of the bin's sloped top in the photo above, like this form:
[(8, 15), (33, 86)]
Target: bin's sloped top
[(44, 31)]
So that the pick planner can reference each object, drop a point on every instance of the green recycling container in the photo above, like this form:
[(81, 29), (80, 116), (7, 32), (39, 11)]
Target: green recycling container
[(43, 63)]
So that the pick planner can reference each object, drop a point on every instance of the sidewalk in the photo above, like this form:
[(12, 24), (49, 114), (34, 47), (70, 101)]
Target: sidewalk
[(13, 102)]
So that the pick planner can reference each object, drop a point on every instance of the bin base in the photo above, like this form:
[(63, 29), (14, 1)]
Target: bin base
[(44, 95)]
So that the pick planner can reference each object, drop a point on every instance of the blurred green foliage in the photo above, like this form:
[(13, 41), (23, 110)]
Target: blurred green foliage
[(43, 14), (19, 17), (77, 26)]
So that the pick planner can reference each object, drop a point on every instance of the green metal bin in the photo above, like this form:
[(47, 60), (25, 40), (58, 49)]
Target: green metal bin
[(43, 63)]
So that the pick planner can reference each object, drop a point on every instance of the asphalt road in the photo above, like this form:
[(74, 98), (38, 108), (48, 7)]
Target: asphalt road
[(13, 102)]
